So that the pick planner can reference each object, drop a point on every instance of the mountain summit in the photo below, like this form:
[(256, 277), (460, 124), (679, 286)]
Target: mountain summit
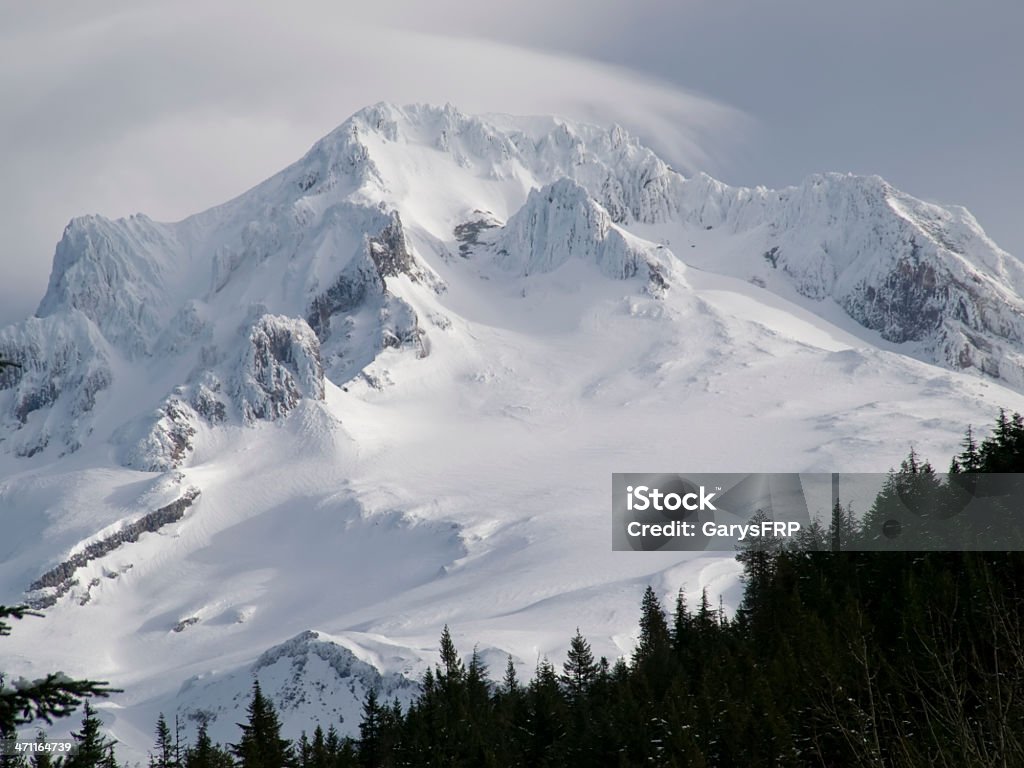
[(385, 198), (342, 245), (383, 390)]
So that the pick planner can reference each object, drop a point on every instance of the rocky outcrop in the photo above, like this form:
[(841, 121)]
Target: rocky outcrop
[(560, 222), (279, 366), (65, 367), (56, 582), (360, 280), (310, 673), (383, 255)]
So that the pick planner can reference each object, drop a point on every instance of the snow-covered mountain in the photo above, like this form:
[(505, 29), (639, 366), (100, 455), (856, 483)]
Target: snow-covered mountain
[(385, 389)]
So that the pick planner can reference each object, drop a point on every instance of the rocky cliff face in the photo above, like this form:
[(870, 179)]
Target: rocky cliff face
[(278, 367), (560, 222), (66, 368)]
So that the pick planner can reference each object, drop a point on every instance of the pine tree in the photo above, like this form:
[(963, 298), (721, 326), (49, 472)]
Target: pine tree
[(510, 683), (452, 671), (261, 745), (579, 670), (164, 749), (477, 687), (92, 749), (842, 530), (654, 634), (341, 753), (545, 723), (304, 756), (758, 557), (681, 622), (812, 537), (427, 684), (206, 754), (444, 713), (969, 458), (318, 754), (371, 730), (1003, 450)]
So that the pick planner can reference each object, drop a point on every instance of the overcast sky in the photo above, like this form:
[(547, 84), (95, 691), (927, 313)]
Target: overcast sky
[(169, 108)]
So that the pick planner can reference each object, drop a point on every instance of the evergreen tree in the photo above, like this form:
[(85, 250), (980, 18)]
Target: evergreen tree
[(545, 722), (452, 672), (579, 670), (477, 687), (843, 528), (1003, 450), (969, 458), (261, 745), (510, 682), (92, 749), (813, 537), (164, 749), (341, 753), (206, 754), (707, 618), (370, 745), (319, 757), (654, 635), (304, 754), (758, 557), (682, 621)]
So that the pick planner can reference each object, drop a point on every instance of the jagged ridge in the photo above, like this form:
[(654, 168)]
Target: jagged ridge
[(339, 248)]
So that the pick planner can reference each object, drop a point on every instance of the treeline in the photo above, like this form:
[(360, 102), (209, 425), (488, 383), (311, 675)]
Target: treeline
[(834, 658)]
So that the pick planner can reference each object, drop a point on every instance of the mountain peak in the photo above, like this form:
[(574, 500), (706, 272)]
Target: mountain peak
[(354, 242)]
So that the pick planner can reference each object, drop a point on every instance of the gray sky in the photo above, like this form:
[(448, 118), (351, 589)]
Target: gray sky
[(169, 108)]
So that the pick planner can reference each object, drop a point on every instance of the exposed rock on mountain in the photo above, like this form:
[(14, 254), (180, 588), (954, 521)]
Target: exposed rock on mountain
[(560, 222)]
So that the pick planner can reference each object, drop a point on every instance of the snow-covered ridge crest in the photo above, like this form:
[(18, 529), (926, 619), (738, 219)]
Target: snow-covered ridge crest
[(311, 672), (626, 178), (350, 244), (918, 273), (120, 274)]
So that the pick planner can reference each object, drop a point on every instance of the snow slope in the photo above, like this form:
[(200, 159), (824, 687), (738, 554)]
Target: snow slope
[(385, 390)]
